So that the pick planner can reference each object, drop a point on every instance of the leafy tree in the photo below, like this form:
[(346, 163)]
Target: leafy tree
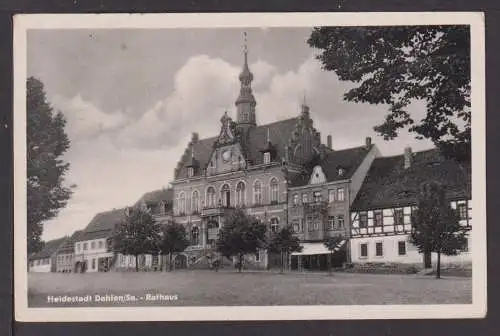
[(285, 243), (397, 65), (240, 235), (46, 143), (436, 226), (173, 240), (138, 234), (332, 244)]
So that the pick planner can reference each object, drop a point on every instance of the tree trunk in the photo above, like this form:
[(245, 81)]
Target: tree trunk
[(282, 263), (331, 263), (427, 259), (170, 262), (438, 266), (137, 263), (240, 263)]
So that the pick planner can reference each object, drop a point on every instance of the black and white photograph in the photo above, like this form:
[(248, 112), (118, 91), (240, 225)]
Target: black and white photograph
[(249, 166)]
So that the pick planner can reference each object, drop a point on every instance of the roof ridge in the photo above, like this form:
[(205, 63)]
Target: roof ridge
[(402, 154)]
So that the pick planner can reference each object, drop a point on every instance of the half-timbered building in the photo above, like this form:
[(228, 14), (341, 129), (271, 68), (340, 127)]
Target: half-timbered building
[(381, 213)]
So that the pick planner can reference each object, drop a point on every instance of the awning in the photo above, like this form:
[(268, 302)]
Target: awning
[(316, 248)]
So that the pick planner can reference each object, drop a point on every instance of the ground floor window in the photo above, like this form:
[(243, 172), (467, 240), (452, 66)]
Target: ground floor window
[(93, 263), (379, 251), (364, 250), (402, 248), (331, 222), (257, 256)]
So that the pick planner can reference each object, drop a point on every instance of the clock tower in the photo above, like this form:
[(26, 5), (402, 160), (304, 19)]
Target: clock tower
[(245, 103)]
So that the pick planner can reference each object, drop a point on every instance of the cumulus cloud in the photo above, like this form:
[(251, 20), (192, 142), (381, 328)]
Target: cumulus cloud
[(84, 119)]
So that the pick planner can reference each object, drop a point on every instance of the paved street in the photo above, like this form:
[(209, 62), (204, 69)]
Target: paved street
[(202, 288)]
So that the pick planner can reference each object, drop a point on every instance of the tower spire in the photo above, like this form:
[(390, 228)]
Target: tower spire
[(245, 103)]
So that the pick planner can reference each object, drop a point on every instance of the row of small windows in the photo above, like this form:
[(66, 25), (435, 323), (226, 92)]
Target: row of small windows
[(93, 245), (63, 259), (40, 262), (225, 196), (314, 223), (334, 195), (398, 216), (379, 249)]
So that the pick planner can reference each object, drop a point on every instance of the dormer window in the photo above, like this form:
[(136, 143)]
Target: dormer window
[(267, 158), (340, 171), (190, 172)]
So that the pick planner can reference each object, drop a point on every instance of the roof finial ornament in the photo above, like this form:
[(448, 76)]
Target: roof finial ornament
[(305, 107)]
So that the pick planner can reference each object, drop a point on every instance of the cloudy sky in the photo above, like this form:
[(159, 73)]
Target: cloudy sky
[(132, 97)]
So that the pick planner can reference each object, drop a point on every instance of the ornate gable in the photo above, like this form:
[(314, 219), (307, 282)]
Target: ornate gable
[(227, 135), (317, 176), (305, 141)]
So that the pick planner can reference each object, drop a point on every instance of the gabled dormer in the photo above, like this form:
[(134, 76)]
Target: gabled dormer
[(193, 168), (317, 176), (268, 151)]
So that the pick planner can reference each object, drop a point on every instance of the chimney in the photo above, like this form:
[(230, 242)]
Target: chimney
[(368, 142), (408, 156), (195, 137), (329, 141)]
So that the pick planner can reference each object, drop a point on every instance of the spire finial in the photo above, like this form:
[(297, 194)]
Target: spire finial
[(304, 98)]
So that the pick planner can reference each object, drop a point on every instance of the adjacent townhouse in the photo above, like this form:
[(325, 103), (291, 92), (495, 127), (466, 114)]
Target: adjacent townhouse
[(159, 204), (381, 212), (320, 200), (46, 259), (66, 254), (93, 250)]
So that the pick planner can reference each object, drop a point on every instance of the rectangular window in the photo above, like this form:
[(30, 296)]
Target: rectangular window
[(340, 194), (296, 226), (331, 195), (363, 219), (92, 245), (462, 210), (316, 225), (304, 198), (379, 251), (93, 263), (309, 224), (340, 221), (398, 217), (402, 248), (190, 172), (257, 256), (267, 158), (85, 246), (295, 199), (317, 196), (101, 244), (378, 219), (364, 250), (331, 222)]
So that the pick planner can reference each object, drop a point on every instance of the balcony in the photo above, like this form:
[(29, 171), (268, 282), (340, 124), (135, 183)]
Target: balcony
[(215, 211), (316, 206)]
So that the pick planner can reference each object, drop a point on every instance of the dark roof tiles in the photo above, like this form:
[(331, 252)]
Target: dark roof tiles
[(50, 247), (389, 184), (347, 159)]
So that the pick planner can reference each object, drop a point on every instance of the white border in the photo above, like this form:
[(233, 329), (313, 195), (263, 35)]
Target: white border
[(95, 21)]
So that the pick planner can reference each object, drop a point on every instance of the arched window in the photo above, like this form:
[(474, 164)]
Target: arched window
[(295, 199), (210, 197), (195, 200), (240, 194), (195, 236), (257, 193), (182, 203), (225, 195), (275, 224), (274, 190)]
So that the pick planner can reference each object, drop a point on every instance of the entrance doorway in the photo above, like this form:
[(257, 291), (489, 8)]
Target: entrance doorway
[(180, 261)]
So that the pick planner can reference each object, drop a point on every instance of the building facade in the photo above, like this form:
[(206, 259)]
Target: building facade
[(381, 214), (46, 259), (92, 248), (246, 166), (320, 201), (66, 254)]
